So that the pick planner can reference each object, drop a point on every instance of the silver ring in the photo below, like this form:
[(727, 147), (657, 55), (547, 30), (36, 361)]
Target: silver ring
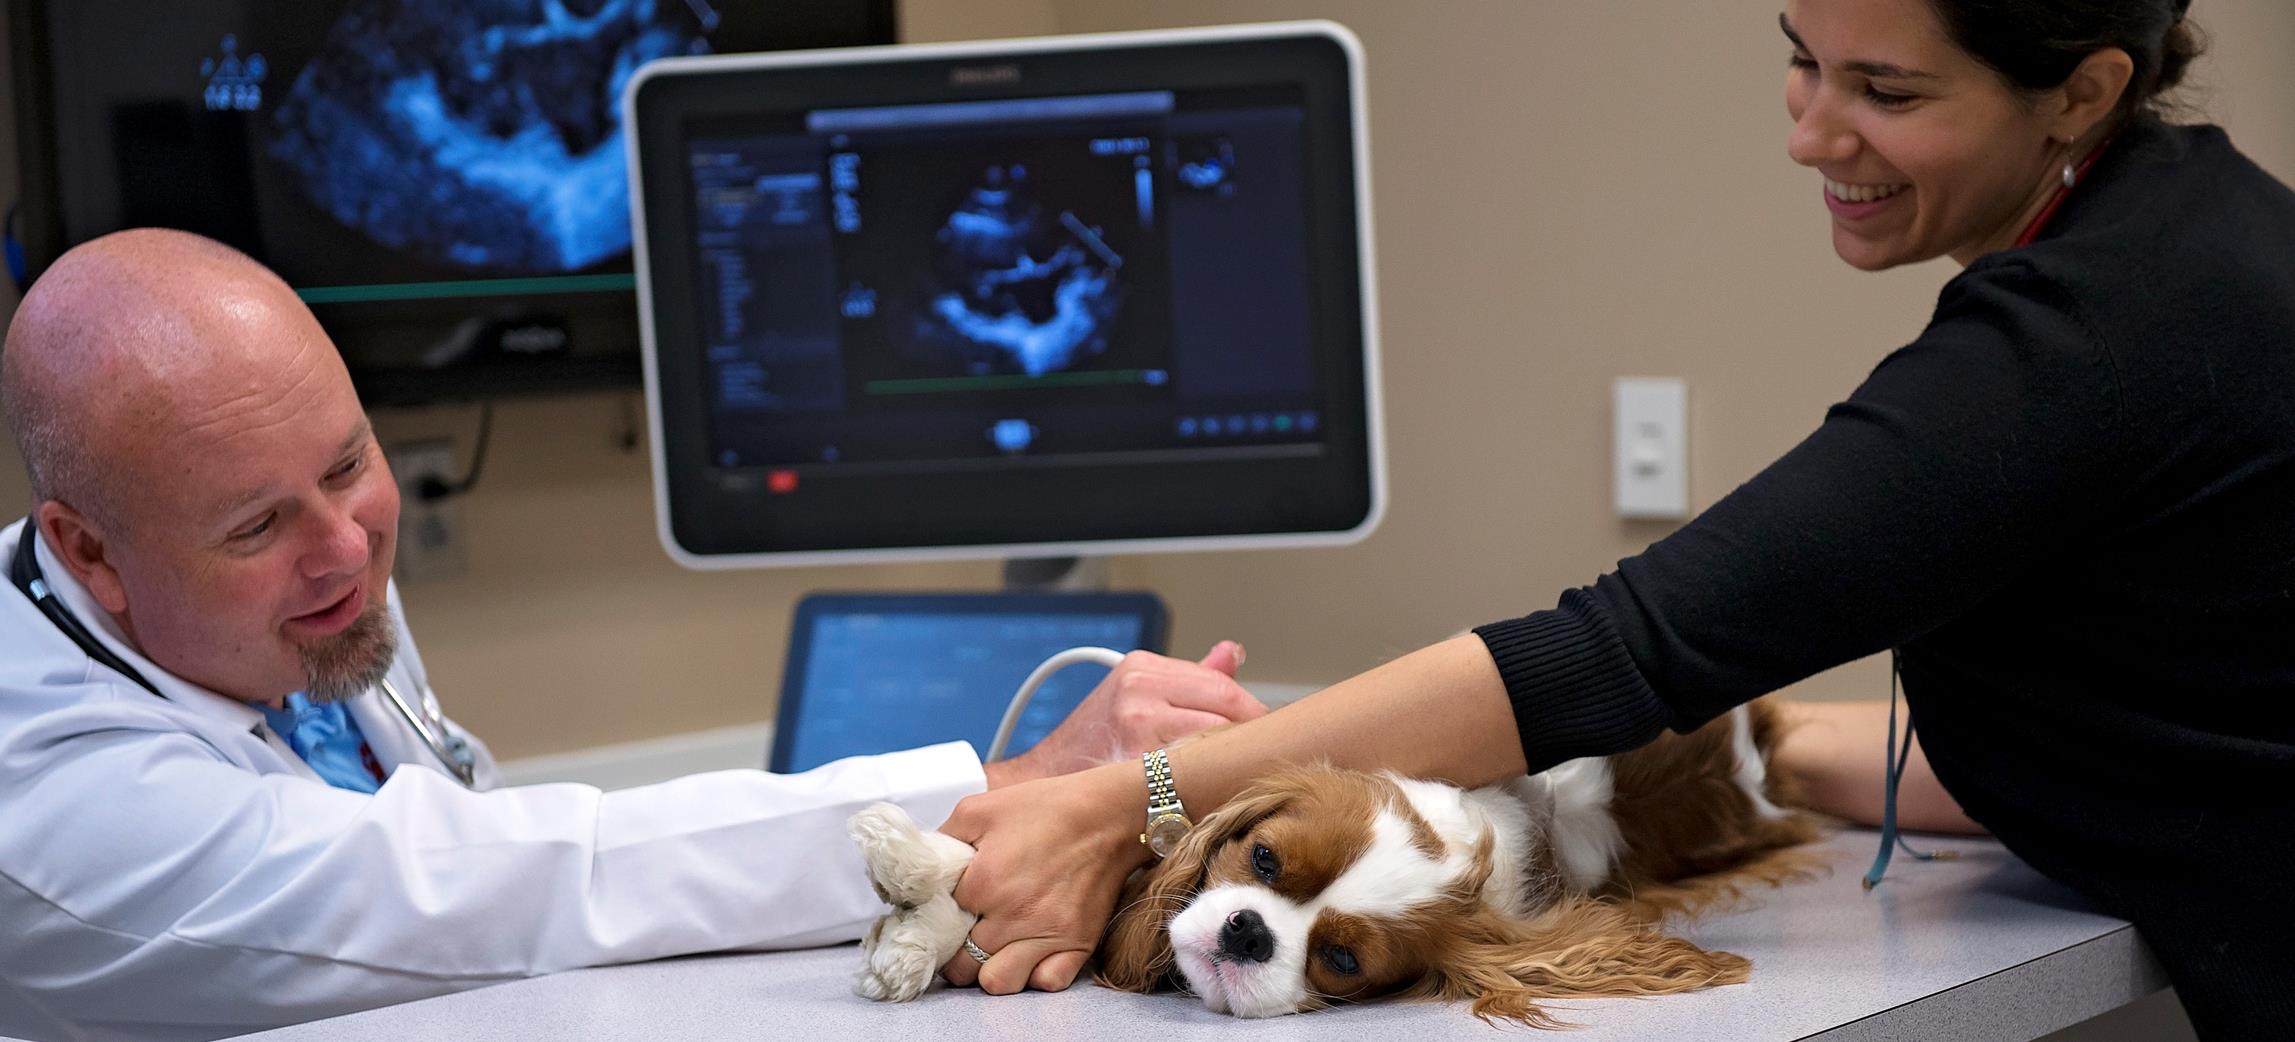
[(974, 950)]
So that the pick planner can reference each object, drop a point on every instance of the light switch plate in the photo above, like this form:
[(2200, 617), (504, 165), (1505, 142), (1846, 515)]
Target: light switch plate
[(1651, 447)]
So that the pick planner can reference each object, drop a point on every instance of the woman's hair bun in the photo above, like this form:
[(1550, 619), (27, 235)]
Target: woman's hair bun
[(2036, 44)]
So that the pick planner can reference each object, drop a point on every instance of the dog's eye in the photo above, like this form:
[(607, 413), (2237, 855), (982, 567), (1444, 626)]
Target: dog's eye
[(1340, 960), (1263, 862)]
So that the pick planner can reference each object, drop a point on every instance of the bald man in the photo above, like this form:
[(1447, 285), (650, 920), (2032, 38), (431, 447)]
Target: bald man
[(230, 802)]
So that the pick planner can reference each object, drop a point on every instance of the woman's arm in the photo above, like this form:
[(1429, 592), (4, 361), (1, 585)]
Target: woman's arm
[(1440, 712), (1965, 455), (1835, 752), (1053, 854)]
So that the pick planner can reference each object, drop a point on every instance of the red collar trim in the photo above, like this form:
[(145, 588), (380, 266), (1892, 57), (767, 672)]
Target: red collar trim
[(2079, 174)]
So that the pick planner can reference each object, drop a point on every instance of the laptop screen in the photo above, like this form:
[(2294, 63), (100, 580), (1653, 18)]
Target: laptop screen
[(874, 674)]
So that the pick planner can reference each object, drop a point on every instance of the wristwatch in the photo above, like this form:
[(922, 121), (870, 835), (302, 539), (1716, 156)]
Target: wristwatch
[(1166, 819)]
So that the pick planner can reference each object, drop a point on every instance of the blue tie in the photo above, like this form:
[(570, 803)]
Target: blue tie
[(327, 738)]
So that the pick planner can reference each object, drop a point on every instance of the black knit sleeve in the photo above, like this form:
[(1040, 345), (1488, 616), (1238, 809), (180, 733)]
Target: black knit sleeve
[(1962, 458)]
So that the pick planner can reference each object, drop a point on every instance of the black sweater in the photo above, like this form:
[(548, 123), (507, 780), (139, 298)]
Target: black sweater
[(2070, 504)]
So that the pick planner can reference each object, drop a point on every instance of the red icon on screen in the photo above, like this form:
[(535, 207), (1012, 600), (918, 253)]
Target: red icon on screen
[(781, 482)]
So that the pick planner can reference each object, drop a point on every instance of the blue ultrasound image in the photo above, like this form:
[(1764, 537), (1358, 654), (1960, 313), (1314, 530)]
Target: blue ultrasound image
[(942, 282), (482, 135), (1018, 256), (1019, 289)]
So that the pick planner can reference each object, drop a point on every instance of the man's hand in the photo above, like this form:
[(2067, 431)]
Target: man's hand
[(1146, 703)]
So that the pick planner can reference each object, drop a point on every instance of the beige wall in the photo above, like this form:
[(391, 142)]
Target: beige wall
[(1565, 193)]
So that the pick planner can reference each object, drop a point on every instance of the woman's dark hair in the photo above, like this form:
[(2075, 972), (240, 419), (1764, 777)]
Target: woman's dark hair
[(2037, 43)]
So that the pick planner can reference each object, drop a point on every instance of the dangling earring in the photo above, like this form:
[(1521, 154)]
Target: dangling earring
[(2071, 176)]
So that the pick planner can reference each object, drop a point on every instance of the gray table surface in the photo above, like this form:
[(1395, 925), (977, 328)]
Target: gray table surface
[(1977, 949)]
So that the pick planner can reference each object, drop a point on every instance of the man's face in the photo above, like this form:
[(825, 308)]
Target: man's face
[(260, 528)]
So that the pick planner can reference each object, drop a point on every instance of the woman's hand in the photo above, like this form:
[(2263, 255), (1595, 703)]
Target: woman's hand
[(1834, 752), (1059, 828), (1146, 702), (1052, 856)]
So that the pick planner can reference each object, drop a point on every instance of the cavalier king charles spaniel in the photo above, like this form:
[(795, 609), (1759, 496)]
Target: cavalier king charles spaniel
[(1318, 886)]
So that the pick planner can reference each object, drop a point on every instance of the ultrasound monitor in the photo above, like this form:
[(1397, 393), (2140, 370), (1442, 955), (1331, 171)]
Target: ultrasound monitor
[(442, 181), (1064, 296)]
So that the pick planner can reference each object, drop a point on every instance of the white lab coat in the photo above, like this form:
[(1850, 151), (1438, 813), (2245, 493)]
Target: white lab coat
[(169, 869)]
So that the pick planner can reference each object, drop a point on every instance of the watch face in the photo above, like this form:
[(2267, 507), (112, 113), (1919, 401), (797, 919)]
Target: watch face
[(1164, 834)]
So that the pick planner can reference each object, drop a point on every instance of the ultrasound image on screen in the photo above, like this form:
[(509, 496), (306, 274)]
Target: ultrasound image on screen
[(477, 135), (948, 284), (1017, 289), (361, 147), (1022, 264)]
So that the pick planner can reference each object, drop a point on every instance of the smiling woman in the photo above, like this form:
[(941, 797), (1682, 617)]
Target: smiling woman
[(2068, 505), (1947, 130)]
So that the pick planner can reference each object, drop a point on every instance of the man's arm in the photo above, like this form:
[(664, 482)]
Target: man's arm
[(154, 883)]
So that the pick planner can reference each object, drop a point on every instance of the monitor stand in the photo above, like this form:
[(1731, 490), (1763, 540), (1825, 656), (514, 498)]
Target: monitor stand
[(1055, 574)]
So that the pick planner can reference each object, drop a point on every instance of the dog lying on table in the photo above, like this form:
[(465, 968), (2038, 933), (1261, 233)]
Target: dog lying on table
[(1318, 885)]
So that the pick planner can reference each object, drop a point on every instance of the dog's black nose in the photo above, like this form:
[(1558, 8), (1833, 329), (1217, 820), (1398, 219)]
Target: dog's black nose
[(1245, 936)]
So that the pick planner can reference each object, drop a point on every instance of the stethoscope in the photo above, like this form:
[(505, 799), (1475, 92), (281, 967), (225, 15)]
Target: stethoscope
[(423, 715)]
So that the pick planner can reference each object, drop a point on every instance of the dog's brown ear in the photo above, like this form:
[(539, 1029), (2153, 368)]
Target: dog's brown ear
[(1136, 953), (1581, 948)]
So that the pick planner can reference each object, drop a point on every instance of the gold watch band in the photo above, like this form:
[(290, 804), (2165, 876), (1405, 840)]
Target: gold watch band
[(1167, 820), (1162, 792)]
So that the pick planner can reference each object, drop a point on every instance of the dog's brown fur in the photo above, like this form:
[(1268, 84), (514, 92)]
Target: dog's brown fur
[(1693, 842)]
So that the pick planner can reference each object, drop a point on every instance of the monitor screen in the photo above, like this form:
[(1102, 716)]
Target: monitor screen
[(1112, 295), (872, 673), (444, 182)]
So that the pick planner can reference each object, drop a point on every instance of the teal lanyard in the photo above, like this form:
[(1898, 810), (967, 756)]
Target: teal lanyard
[(1893, 768)]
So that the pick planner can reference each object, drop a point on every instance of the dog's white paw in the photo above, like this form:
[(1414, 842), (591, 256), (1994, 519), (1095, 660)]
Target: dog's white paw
[(914, 870), (905, 955), (906, 864)]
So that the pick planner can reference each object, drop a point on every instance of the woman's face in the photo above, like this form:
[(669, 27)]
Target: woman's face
[(1925, 152)]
